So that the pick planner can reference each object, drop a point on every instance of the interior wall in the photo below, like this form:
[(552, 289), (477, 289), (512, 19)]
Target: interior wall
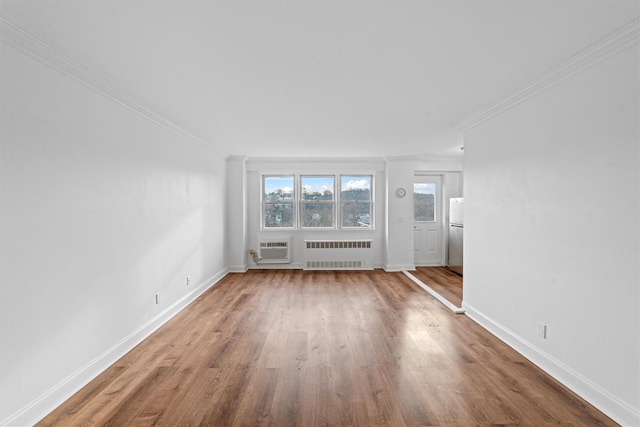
[(551, 231), (236, 206), (400, 173), (100, 209), (257, 166), (393, 239)]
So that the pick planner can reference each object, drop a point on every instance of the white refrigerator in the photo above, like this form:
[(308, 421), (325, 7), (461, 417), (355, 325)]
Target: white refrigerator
[(456, 234)]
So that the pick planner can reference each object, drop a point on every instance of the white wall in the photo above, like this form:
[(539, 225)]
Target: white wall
[(399, 227), (393, 247), (236, 206), (255, 166), (551, 231), (99, 210)]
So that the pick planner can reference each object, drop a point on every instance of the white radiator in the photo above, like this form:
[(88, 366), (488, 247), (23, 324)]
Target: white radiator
[(273, 251), (338, 254)]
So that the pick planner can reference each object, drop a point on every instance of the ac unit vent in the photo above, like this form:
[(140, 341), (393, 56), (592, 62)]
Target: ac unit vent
[(273, 251)]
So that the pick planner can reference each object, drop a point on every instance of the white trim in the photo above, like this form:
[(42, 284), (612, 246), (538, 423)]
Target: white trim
[(238, 268), (613, 43), (35, 48), (316, 164), (295, 266), (441, 213), (292, 266), (54, 397), (398, 267), (333, 202), (426, 159), (440, 298), (293, 202), (315, 160), (372, 200), (297, 175), (618, 410)]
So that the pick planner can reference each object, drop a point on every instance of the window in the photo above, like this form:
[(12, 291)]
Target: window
[(424, 202), (278, 202), (317, 202), (355, 201), (320, 202)]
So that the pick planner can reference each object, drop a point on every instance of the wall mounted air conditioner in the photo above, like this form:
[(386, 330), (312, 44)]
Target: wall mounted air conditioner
[(273, 251)]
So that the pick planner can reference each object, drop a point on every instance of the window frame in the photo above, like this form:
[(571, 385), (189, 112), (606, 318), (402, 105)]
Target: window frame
[(337, 196), (263, 202), (370, 202), (317, 202), (435, 203)]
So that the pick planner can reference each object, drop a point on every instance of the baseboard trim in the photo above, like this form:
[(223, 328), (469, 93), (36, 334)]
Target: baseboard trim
[(289, 266), (437, 296), (238, 268), (618, 410), (54, 397), (429, 264), (399, 267), (297, 266)]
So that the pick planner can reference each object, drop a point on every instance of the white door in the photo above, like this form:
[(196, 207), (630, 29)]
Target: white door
[(427, 220)]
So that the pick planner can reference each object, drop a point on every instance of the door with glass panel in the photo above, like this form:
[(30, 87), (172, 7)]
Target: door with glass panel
[(427, 220)]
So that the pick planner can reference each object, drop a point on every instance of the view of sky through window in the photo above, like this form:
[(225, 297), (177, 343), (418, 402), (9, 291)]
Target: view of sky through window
[(275, 183), (317, 184), (356, 183), (424, 188)]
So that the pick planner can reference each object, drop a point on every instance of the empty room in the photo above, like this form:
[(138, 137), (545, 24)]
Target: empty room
[(301, 213)]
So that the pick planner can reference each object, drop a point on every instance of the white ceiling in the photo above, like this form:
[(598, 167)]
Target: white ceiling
[(320, 78)]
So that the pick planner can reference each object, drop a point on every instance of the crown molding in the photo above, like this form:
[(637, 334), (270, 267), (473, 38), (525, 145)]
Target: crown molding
[(610, 45), (315, 159), (424, 159), (342, 160), (35, 48)]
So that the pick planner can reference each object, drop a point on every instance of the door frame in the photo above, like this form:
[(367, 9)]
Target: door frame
[(442, 211)]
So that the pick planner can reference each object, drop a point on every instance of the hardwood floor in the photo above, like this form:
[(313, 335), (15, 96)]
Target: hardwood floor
[(296, 348), (443, 281)]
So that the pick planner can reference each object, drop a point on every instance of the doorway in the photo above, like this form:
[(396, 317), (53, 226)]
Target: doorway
[(428, 221), (431, 196)]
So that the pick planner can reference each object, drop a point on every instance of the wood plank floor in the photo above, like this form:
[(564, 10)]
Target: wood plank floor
[(296, 348), (443, 281)]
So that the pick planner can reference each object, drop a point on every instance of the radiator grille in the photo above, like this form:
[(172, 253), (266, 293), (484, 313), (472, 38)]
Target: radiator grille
[(339, 244), (338, 254), (333, 265)]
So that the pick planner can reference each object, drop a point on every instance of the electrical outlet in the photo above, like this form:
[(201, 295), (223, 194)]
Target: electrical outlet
[(542, 330), (158, 298), (188, 280)]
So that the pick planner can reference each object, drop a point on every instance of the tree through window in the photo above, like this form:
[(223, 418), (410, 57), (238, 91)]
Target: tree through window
[(278, 201), (355, 201), (424, 202), (317, 202)]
